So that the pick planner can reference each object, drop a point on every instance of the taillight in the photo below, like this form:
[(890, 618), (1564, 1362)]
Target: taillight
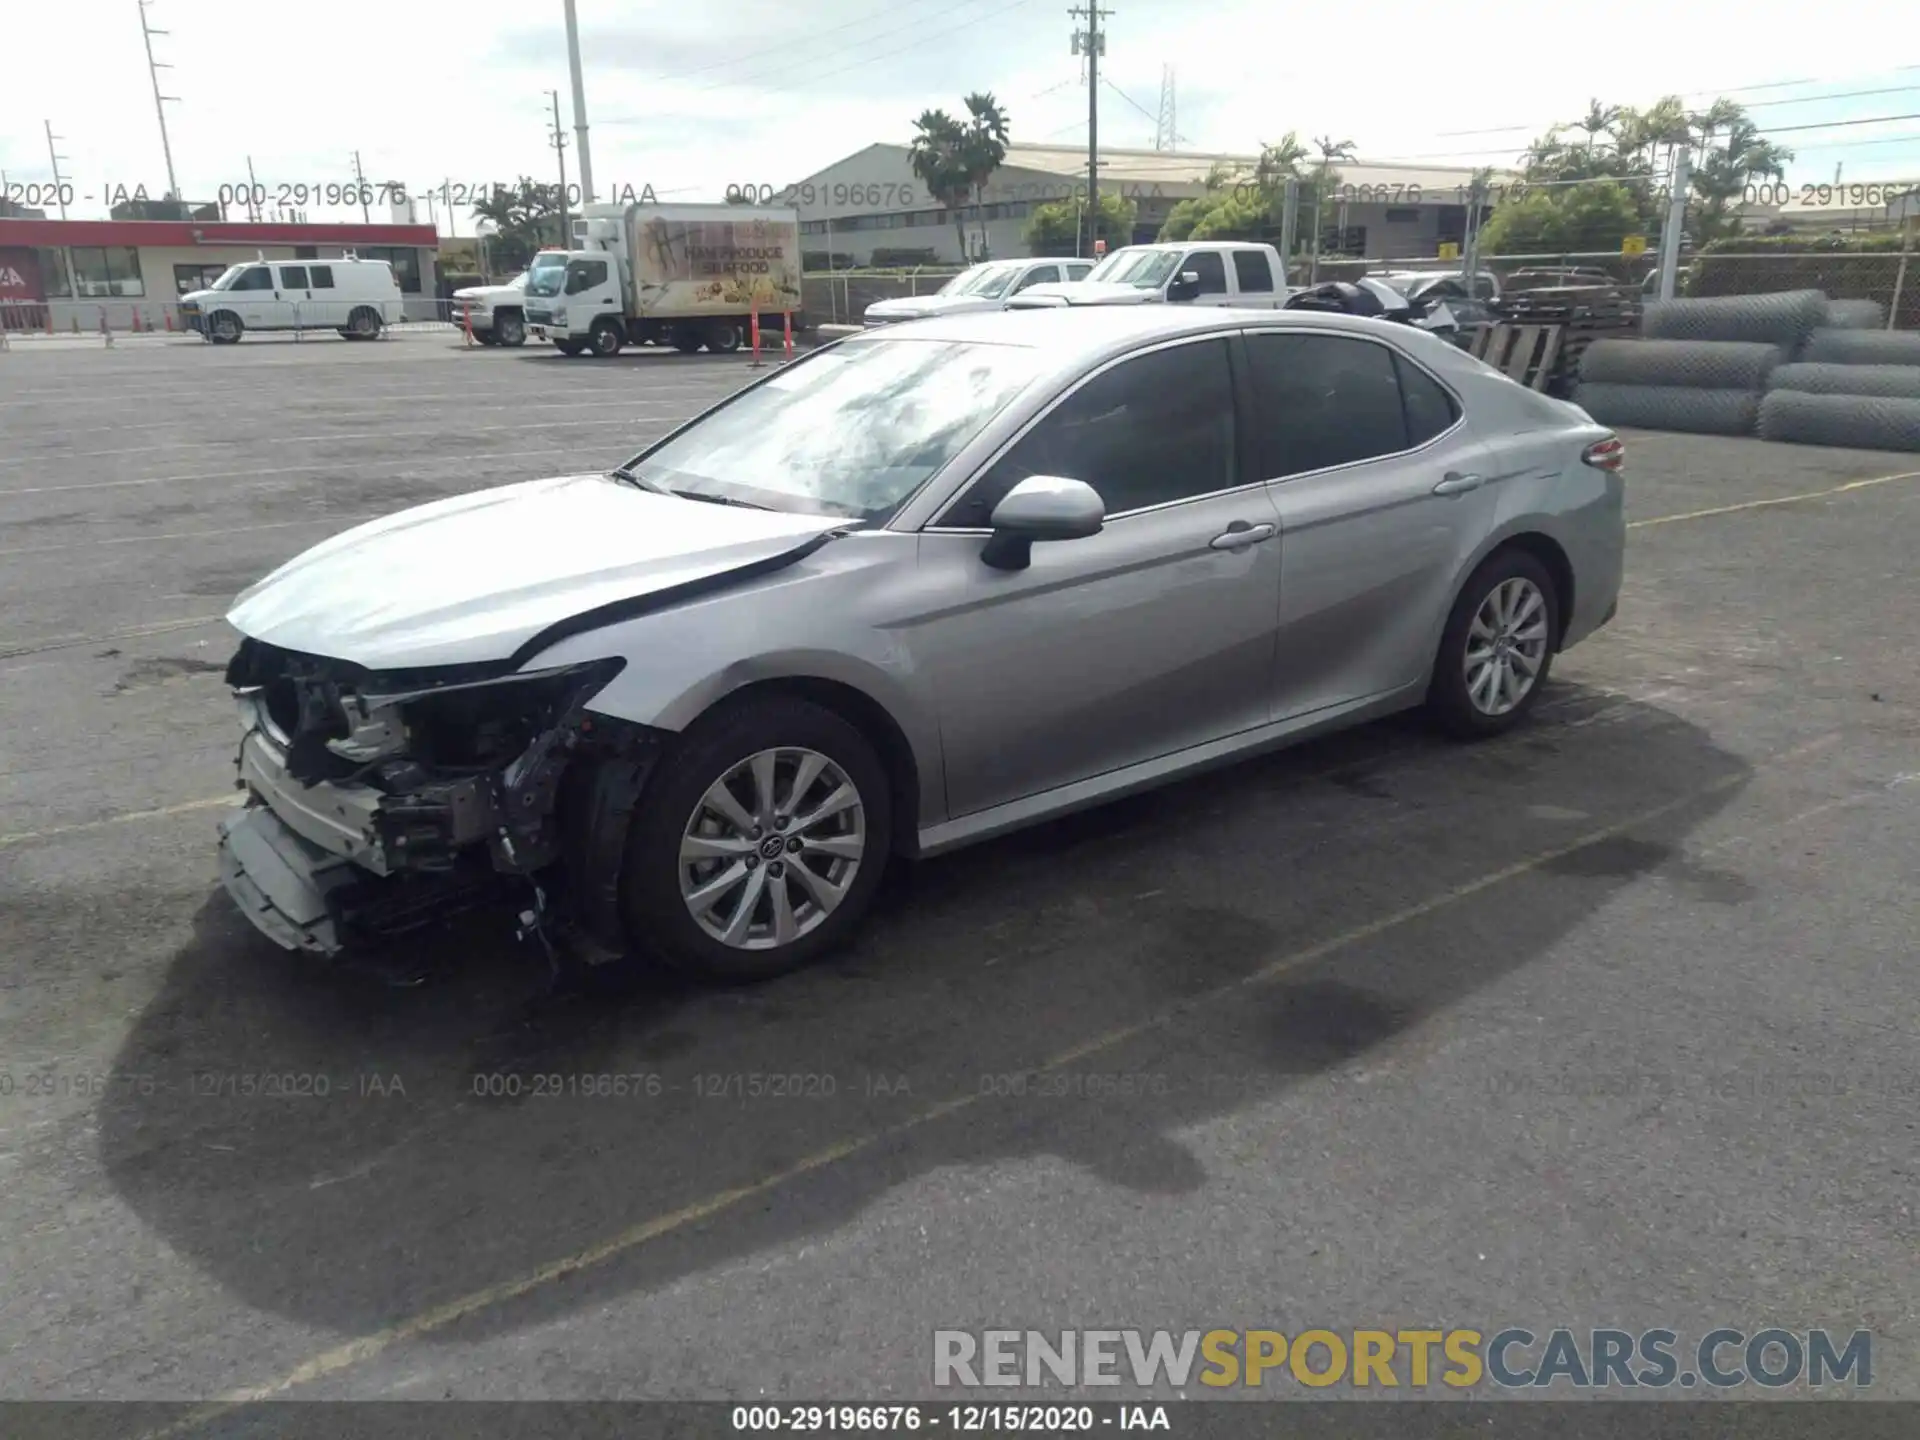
[(1607, 454)]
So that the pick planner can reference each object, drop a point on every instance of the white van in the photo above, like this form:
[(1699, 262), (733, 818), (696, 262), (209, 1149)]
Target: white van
[(356, 297)]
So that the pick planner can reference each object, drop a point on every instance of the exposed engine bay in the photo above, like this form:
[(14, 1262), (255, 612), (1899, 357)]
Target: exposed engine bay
[(381, 801)]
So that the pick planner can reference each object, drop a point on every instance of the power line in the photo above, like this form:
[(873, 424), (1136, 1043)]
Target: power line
[(1538, 127), (917, 43)]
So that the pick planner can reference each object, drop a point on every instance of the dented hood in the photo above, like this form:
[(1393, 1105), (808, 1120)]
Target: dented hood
[(474, 577)]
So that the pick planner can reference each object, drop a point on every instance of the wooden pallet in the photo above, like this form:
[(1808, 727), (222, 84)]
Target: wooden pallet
[(1525, 353)]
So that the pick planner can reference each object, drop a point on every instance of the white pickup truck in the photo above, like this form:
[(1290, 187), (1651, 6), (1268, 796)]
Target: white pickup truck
[(1239, 273)]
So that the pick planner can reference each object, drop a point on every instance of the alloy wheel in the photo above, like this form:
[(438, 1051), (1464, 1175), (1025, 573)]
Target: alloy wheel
[(772, 848), (1506, 646)]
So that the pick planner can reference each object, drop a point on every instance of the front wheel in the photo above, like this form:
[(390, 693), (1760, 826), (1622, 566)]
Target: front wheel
[(1497, 648), (224, 328), (759, 848), (604, 340), (509, 330)]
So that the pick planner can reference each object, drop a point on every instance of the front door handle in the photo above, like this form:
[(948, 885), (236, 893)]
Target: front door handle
[(1454, 483), (1240, 535)]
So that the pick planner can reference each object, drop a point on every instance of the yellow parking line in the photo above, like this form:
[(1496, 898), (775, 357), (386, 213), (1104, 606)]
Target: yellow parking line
[(1776, 500), (185, 807), (366, 1347)]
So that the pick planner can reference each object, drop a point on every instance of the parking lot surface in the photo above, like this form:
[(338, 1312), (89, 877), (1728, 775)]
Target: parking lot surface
[(1608, 1023)]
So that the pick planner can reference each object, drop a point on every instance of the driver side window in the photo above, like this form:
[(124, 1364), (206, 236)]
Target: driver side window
[(1211, 269), (258, 278), (584, 275), (1148, 431)]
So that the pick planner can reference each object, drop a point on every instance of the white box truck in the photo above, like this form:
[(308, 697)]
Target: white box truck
[(681, 275)]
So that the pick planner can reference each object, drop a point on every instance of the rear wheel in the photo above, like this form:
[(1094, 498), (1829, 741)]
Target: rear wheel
[(363, 323), (486, 337), (759, 847), (509, 329), (723, 339), (604, 340), (687, 340), (1497, 649)]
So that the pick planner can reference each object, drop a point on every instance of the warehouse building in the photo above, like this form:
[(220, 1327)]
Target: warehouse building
[(871, 205), (65, 273)]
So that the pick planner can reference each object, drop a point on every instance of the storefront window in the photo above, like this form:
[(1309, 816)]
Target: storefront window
[(188, 278), (107, 270), (53, 273), (405, 261)]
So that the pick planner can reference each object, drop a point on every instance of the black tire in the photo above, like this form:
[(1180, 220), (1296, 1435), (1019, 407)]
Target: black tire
[(604, 340), (509, 329), (687, 340), (225, 328), (486, 337), (1449, 702), (568, 348), (364, 323), (724, 338), (659, 923)]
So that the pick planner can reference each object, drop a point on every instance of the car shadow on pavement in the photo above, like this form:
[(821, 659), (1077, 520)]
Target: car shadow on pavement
[(1224, 939)]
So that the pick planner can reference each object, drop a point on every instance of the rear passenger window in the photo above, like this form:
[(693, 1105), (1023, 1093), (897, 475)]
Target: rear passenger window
[(293, 277), (1211, 269), (1322, 400), (1250, 268), (322, 277), (1430, 409)]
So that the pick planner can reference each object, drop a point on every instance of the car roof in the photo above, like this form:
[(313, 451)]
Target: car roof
[(1184, 245), (1085, 334)]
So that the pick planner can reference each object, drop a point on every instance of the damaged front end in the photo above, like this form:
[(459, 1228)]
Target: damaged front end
[(382, 801)]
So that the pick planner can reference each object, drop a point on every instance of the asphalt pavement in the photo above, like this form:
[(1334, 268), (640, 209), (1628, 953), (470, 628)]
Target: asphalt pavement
[(1611, 1022)]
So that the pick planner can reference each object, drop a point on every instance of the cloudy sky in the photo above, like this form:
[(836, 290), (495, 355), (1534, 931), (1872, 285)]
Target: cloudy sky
[(692, 97)]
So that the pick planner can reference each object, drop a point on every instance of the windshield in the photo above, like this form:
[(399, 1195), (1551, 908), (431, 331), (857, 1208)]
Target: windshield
[(852, 431), (1142, 269), (548, 278), (986, 281), (227, 277)]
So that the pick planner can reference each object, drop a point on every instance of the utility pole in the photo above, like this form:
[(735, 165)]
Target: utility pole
[(1676, 220), (59, 181), (1091, 43), (579, 110), (560, 149), (360, 185), (154, 67), (254, 204)]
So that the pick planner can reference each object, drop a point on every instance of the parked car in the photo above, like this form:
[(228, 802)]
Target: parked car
[(356, 297), (987, 286), (1447, 289), (919, 588), (497, 314), (1201, 272)]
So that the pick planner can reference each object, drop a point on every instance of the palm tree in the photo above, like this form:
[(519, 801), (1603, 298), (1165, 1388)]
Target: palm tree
[(983, 150), (1598, 121), (937, 155)]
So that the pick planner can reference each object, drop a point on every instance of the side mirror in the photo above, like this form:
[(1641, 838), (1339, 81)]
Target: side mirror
[(1041, 507), (1184, 286)]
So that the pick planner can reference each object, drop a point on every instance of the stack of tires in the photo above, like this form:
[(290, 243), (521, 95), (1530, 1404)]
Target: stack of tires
[(1702, 366), (1855, 383)]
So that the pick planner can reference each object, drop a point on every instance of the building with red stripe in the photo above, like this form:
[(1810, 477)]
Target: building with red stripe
[(63, 272)]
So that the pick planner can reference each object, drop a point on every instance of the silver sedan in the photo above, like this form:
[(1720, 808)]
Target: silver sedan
[(920, 588)]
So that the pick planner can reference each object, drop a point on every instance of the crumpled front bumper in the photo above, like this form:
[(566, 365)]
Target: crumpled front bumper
[(280, 882)]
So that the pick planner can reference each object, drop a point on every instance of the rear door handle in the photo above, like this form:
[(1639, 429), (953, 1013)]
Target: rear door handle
[(1240, 535), (1454, 483)]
